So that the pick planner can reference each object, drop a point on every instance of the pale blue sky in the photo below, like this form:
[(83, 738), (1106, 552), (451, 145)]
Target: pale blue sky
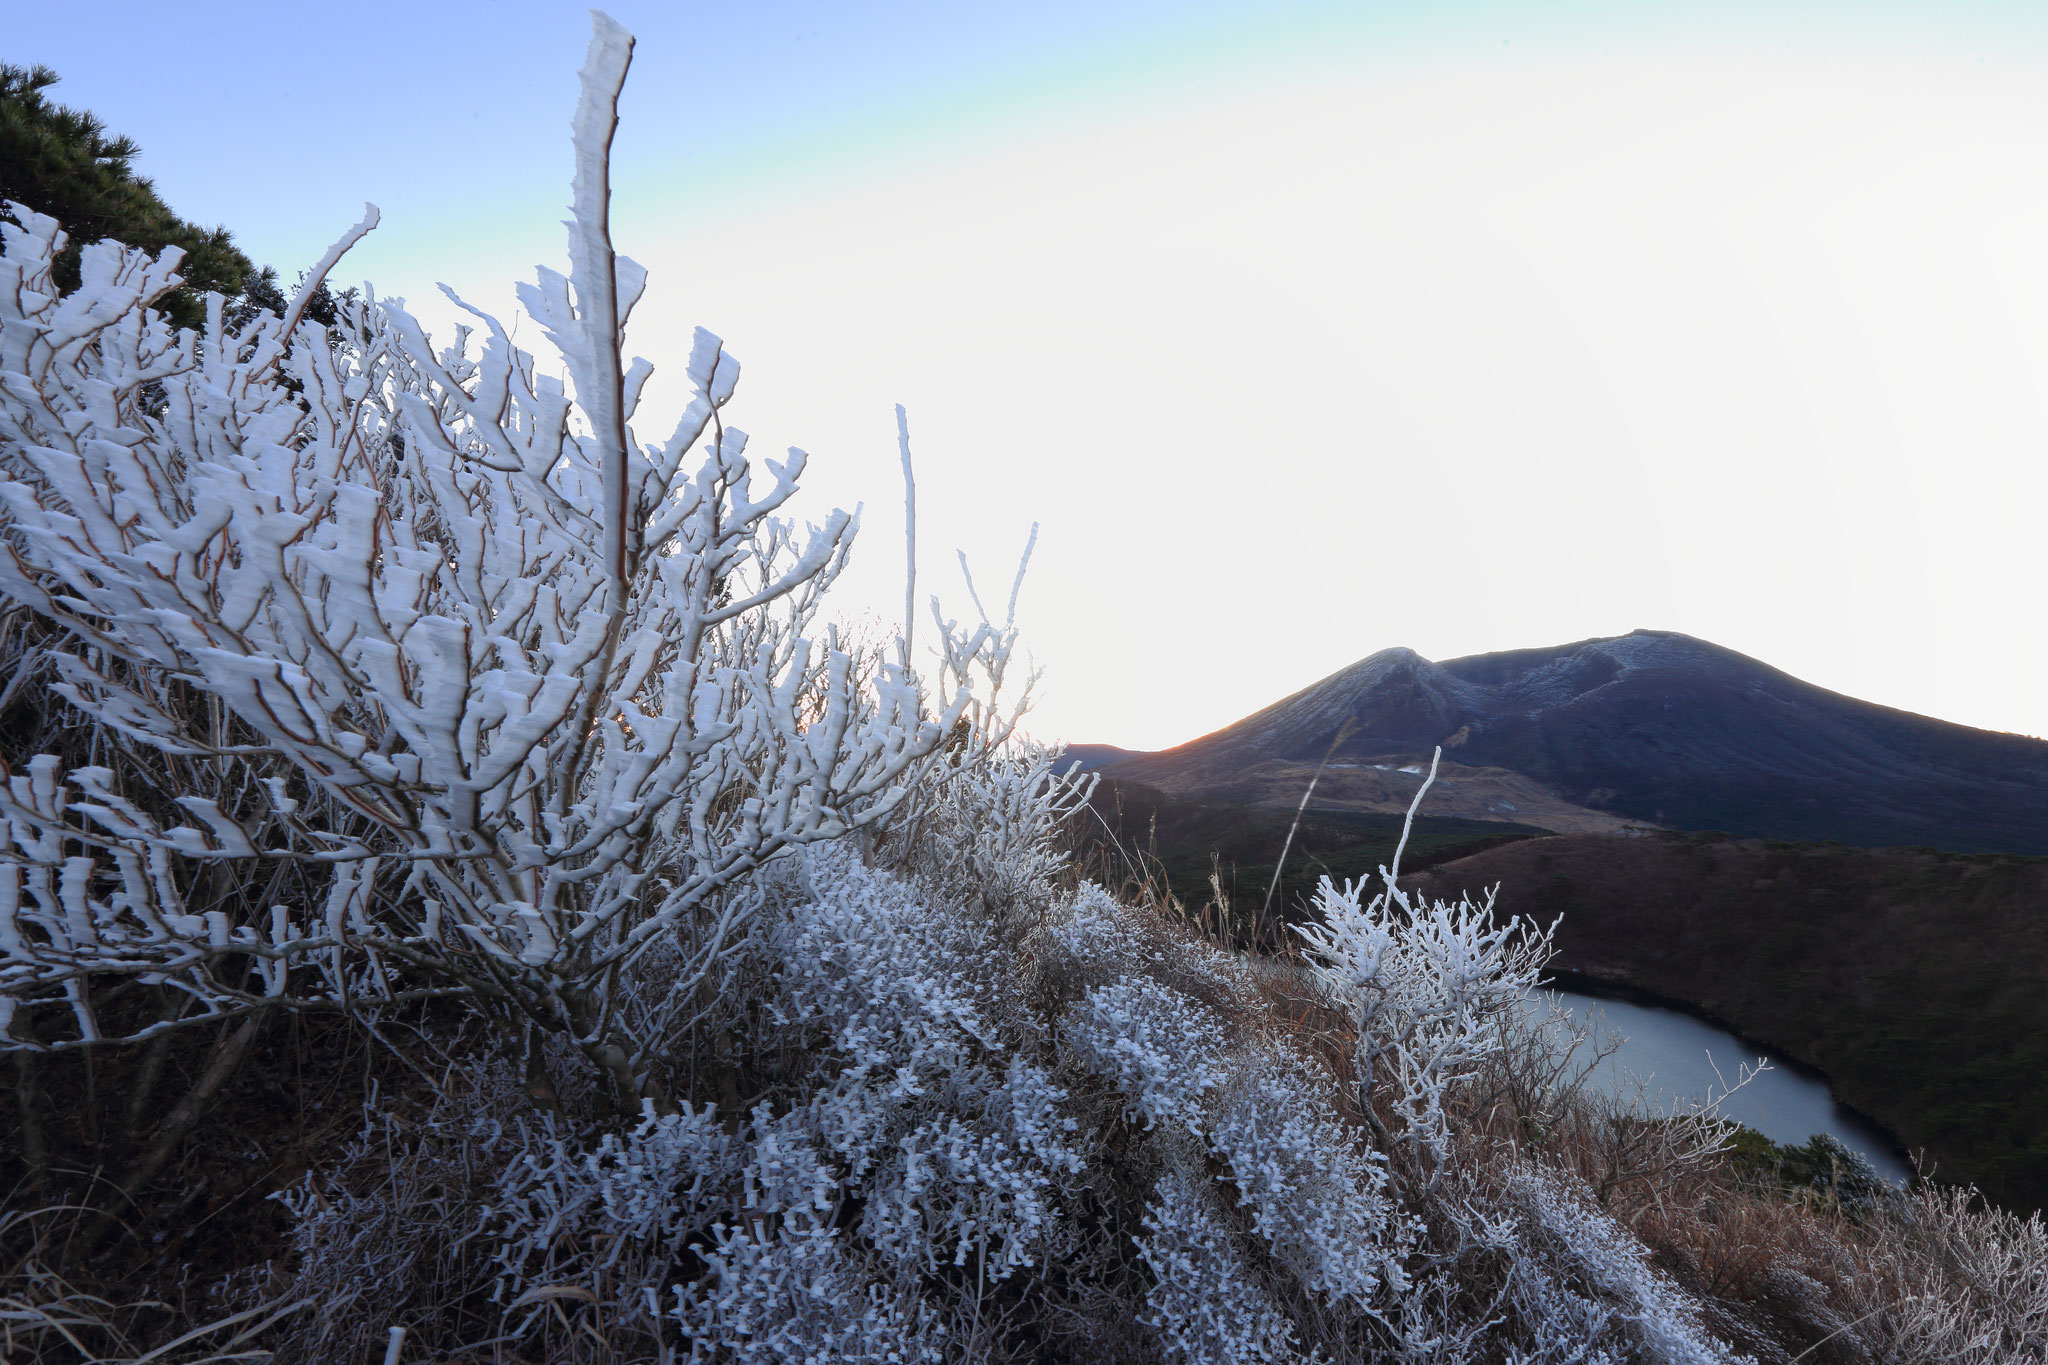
[(1305, 329), (453, 108)]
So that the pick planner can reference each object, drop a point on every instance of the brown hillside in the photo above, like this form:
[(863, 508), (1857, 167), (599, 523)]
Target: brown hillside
[(1917, 980), (1388, 787)]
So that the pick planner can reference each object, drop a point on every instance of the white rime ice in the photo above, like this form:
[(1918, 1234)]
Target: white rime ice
[(1201, 1301), (511, 695), (1317, 1197), (1624, 1301), (1155, 1045), (1425, 984)]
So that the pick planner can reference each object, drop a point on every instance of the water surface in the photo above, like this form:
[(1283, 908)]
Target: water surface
[(1678, 1056)]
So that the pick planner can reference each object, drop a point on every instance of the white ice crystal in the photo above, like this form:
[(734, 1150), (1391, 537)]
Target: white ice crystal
[(1094, 928), (783, 1297), (1203, 1305), (1425, 983), (1162, 1049), (1317, 1195), (1590, 1247), (958, 1141), (653, 1189)]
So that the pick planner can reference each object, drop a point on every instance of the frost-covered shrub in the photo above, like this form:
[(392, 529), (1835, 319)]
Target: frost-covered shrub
[(1580, 1270), (918, 1103), (925, 1092), (788, 1296), (893, 984), (1317, 1197), (519, 693), (1202, 1300), (1106, 938), (645, 1197), (1426, 985), (1163, 1050), (1938, 1275), (986, 822), (386, 1234), (1097, 940)]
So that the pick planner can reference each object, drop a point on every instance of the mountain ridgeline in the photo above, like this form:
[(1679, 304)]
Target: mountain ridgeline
[(1653, 727)]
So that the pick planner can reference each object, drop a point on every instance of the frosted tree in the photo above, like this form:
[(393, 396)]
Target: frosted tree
[(1425, 984), (502, 694)]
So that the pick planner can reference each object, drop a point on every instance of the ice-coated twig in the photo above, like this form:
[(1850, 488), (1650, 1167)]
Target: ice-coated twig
[(1393, 873), (909, 533), (1301, 809)]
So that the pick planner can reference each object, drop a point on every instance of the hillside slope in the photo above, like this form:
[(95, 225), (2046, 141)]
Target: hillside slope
[(1652, 727), (1918, 981), (1132, 835)]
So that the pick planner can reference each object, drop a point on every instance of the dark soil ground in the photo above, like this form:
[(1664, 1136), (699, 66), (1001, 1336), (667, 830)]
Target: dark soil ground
[(73, 1131)]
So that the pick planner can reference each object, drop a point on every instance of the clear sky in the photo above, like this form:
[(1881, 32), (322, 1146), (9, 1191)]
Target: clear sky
[(1303, 329)]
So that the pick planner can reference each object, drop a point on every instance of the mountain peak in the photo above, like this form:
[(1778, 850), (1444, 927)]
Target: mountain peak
[(1656, 726)]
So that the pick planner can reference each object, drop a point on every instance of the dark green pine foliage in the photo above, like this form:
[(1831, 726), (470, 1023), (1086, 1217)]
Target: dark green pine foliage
[(62, 162)]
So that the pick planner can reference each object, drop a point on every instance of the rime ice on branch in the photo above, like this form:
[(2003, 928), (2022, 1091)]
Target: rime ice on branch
[(504, 692)]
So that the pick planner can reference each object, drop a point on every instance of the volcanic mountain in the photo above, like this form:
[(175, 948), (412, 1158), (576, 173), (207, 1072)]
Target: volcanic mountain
[(1652, 728)]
